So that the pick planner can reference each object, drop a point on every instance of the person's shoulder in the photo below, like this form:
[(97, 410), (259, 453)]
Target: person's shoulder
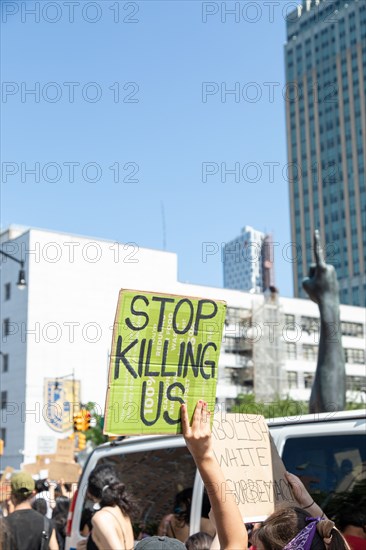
[(109, 514), (104, 514), (27, 512), (30, 516)]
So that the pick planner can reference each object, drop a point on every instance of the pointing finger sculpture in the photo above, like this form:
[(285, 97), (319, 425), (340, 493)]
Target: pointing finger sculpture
[(329, 388)]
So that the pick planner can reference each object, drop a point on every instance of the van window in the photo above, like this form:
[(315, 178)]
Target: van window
[(152, 478), (327, 465)]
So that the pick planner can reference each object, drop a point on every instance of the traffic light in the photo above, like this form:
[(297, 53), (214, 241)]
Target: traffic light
[(81, 442), (87, 418), (78, 422), (1, 446)]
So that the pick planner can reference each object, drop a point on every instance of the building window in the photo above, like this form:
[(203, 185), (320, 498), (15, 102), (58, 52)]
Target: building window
[(4, 399), (6, 327), (7, 291), (310, 324), (292, 379), (356, 383), (352, 329), (289, 319), (355, 296), (308, 380), (291, 350), (355, 356), (309, 352), (5, 357)]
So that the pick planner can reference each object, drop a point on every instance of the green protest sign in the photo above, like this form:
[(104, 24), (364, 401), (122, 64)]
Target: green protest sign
[(165, 351)]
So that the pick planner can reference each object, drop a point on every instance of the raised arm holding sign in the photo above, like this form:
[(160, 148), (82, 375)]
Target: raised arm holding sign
[(230, 526)]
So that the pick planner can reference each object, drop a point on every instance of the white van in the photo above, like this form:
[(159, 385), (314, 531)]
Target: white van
[(328, 451)]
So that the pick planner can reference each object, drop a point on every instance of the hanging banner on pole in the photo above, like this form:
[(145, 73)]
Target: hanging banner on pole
[(61, 400), (165, 351)]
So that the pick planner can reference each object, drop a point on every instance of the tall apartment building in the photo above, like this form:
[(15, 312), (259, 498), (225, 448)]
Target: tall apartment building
[(326, 133), (57, 332), (248, 261)]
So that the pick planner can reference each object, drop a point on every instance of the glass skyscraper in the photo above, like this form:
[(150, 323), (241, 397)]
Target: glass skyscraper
[(248, 261), (326, 133)]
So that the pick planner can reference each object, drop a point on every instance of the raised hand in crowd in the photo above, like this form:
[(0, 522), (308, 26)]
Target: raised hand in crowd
[(305, 501), (231, 530)]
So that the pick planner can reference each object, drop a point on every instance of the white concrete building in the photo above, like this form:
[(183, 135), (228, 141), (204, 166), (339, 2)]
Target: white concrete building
[(61, 325)]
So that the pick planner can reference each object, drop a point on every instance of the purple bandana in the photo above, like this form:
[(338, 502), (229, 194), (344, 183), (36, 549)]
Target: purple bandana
[(303, 540)]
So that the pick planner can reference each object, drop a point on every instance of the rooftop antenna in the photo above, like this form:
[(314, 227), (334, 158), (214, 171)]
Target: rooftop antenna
[(163, 223)]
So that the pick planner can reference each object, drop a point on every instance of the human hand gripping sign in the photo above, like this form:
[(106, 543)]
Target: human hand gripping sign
[(198, 435), (302, 496)]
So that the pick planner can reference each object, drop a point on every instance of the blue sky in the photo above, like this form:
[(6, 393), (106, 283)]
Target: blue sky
[(165, 124)]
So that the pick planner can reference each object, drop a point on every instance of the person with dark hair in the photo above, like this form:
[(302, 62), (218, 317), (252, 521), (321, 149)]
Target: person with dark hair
[(352, 524), (40, 505), (176, 525), (59, 518), (86, 521), (199, 541), (112, 527), (43, 492), (30, 529), (251, 527)]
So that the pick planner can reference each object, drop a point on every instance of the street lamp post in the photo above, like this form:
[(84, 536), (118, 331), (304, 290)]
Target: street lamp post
[(21, 283)]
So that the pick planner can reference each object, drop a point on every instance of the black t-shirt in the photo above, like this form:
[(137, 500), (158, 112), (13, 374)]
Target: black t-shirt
[(27, 526)]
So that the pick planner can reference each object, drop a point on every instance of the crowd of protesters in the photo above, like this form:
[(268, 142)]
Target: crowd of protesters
[(37, 514)]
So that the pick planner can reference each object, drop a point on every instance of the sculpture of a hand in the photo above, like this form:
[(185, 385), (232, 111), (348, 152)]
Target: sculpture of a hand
[(322, 284), (329, 388)]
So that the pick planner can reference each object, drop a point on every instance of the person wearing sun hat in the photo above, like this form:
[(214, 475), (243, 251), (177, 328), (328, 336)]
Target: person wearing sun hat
[(30, 529)]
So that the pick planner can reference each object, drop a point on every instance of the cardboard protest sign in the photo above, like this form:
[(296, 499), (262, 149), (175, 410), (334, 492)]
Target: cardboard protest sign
[(65, 450), (45, 459), (54, 470), (165, 351), (32, 468), (64, 470), (251, 464)]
